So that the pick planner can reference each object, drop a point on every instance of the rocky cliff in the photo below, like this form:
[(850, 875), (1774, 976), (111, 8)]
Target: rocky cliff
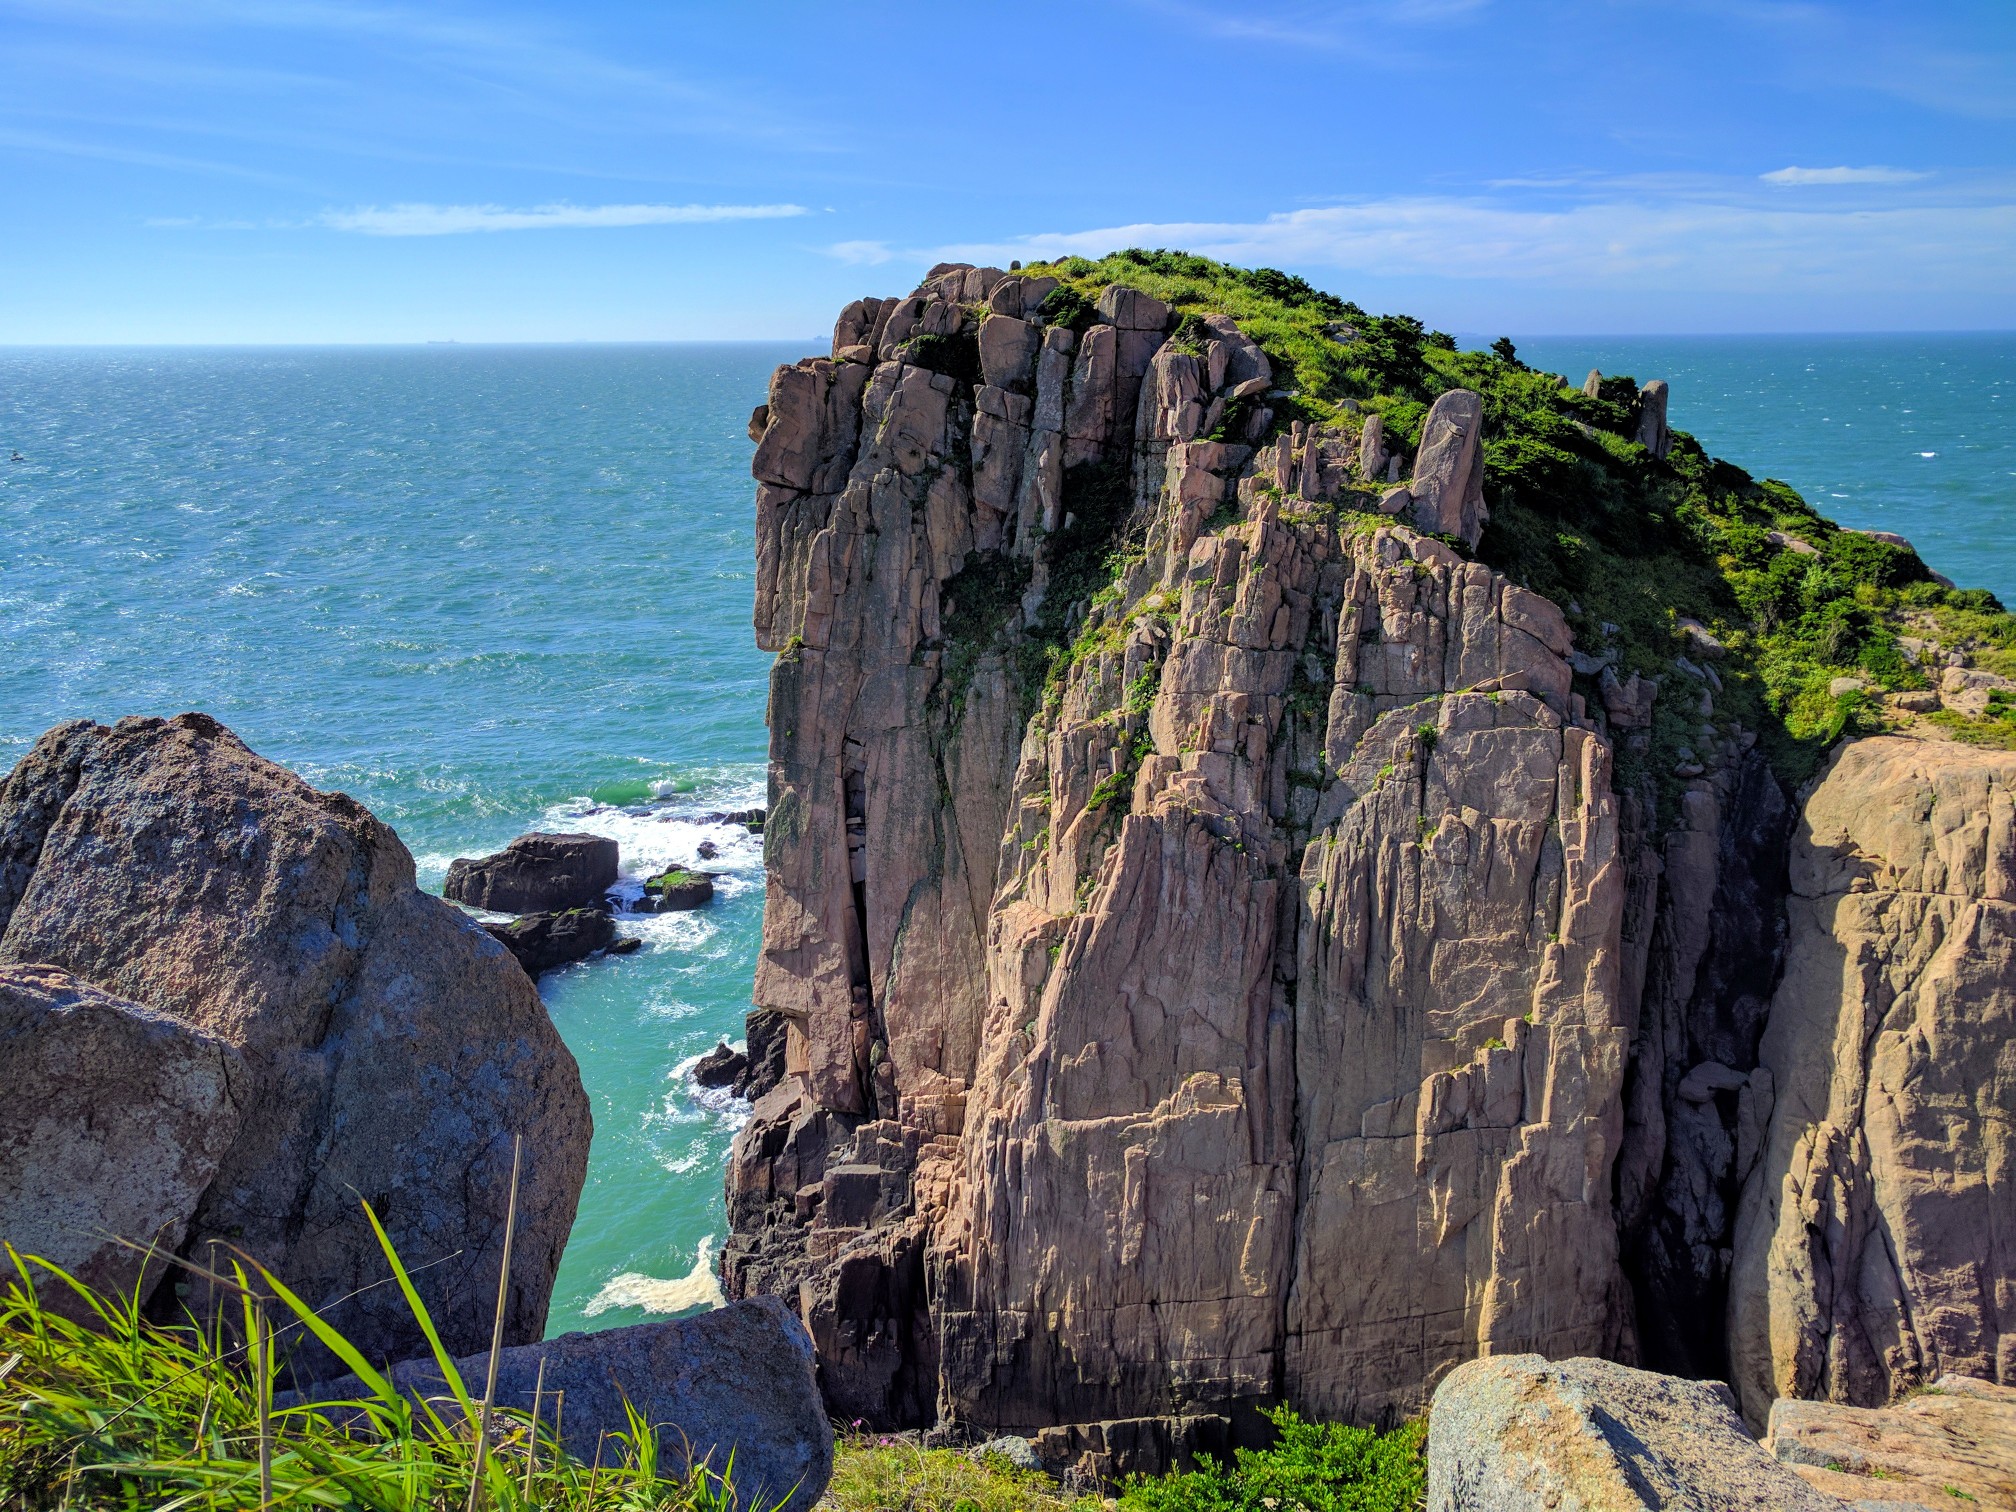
[(1269, 893)]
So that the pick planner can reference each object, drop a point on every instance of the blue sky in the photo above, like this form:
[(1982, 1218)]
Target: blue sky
[(319, 170)]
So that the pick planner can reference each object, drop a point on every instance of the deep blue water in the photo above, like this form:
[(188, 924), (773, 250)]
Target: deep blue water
[(488, 588)]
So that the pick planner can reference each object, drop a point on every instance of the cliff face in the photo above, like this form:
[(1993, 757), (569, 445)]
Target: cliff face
[(1874, 1248), (1213, 957)]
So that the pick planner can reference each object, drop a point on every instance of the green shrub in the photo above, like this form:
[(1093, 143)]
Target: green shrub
[(1314, 1467)]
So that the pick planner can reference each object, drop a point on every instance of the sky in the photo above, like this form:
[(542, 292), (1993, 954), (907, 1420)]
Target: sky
[(598, 170)]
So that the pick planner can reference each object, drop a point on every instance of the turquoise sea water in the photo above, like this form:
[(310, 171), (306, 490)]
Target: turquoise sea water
[(489, 589)]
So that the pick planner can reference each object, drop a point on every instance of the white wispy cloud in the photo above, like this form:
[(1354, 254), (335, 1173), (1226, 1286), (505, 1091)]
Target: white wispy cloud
[(1625, 244), (1873, 175), (453, 220), (862, 253)]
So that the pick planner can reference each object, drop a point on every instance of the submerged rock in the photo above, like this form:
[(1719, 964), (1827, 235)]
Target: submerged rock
[(1517, 1434), (735, 1381), (391, 1047), (114, 1122), (546, 941), (676, 890), (723, 1066), (536, 873)]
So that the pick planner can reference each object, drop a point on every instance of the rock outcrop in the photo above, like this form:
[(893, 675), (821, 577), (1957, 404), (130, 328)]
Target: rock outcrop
[(1247, 1021), (114, 1122), (391, 1049), (536, 873), (736, 1382), (1873, 1251), (1208, 959), (1517, 1434), (1953, 1443)]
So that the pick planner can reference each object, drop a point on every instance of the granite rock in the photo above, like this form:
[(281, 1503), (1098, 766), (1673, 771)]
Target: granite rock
[(1517, 1434), (115, 1120), (391, 1047)]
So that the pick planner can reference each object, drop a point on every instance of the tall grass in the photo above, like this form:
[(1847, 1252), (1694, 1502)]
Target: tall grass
[(119, 1412)]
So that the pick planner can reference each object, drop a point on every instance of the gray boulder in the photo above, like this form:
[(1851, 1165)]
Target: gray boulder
[(391, 1048), (738, 1380), (536, 873), (1448, 484), (114, 1121), (1653, 434), (1514, 1433)]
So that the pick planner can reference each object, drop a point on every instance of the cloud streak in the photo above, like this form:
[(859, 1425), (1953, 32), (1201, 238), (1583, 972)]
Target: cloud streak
[(1621, 244), (457, 220), (1799, 177)]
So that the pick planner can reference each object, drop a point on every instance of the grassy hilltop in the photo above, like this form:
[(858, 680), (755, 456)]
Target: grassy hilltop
[(1582, 513)]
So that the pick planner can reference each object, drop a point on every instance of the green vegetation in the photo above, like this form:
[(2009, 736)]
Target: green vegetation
[(1631, 545), (127, 1414), (1311, 1468), (665, 881)]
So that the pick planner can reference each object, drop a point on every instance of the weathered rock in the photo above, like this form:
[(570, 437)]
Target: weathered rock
[(675, 891), (392, 1048), (1372, 453), (536, 873), (1448, 485), (1969, 691), (1139, 1060), (722, 1066), (547, 941), (1628, 701), (1517, 1434), (767, 1035), (737, 1380), (113, 1124), (1951, 1444), (1593, 384), (1871, 1253), (1653, 434)]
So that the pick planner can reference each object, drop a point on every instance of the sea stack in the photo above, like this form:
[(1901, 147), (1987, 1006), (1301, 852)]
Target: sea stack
[(1226, 945)]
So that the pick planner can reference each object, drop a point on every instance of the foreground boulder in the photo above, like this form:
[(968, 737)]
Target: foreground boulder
[(1950, 1445), (114, 1120), (737, 1380), (548, 941), (1874, 1248), (536, 873), (391, 1048), (1516, 1434)]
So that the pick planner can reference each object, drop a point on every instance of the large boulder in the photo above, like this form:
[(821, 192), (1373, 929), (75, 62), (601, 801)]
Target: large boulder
[(1515, 1433), (738, 1380), (1448, 485), (391, 1048), (114, 1121), (1874, 1244), (536, 873)]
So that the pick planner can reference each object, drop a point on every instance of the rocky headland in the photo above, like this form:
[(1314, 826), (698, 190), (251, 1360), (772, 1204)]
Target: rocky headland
[(1299, 857)]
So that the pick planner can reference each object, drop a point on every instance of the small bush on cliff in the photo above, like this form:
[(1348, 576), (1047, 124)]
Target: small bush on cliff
[(128, 1414), (1315, 1467)]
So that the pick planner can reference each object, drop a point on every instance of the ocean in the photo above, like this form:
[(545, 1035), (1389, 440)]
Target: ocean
[(490, 589)]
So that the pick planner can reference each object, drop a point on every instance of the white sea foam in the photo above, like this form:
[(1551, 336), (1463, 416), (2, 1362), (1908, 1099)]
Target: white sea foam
[(699, 1287)]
